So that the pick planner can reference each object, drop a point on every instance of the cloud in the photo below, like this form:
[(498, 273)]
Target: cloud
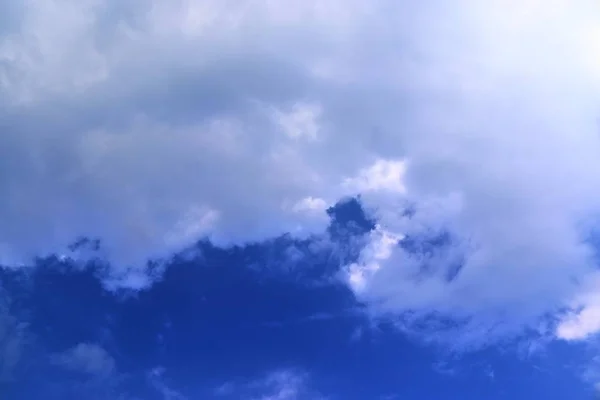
[(88, 370), (283, 384), (583, 321), (13, 339), (87, 358), (502, 159), (157, 381), (148, 125)]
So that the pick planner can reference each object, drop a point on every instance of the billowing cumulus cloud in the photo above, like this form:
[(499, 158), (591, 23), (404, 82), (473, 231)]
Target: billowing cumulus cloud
[(151, 124)]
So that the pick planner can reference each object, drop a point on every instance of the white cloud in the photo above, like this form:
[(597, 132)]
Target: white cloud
[(503, 152), (581, 324), (147, 124), (379, 248), (384, 175), (583, 321), (310, 204), (301, 122), (283, 384), (87, 358)]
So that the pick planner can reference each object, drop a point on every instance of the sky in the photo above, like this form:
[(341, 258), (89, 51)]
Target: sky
[(300, 199)]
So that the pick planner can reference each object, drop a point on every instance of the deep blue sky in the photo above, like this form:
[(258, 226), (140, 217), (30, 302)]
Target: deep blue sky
[(219, 325)]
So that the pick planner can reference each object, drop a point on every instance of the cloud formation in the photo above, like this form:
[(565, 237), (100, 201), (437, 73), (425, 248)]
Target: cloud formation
[(502, 147), (87, 358), (148, 125), (284, 384)]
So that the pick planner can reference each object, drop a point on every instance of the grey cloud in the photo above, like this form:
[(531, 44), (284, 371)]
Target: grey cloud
[(47, 150), (149, 125)]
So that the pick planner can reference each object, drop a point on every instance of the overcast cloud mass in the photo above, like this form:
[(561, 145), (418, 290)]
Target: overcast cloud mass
[(132, 131)]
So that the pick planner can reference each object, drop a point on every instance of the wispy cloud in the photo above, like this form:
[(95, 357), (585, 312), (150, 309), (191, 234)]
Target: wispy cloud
[(156, 377), (13, 339), (87, 358), (284, 384)]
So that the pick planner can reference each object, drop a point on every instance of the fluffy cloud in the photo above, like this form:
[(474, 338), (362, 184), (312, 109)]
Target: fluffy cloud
[(583, 320), (503, 158), (148, 124)]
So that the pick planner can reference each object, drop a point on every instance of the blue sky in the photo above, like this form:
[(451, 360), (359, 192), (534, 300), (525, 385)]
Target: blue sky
[(216, 329), (299, 200)]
